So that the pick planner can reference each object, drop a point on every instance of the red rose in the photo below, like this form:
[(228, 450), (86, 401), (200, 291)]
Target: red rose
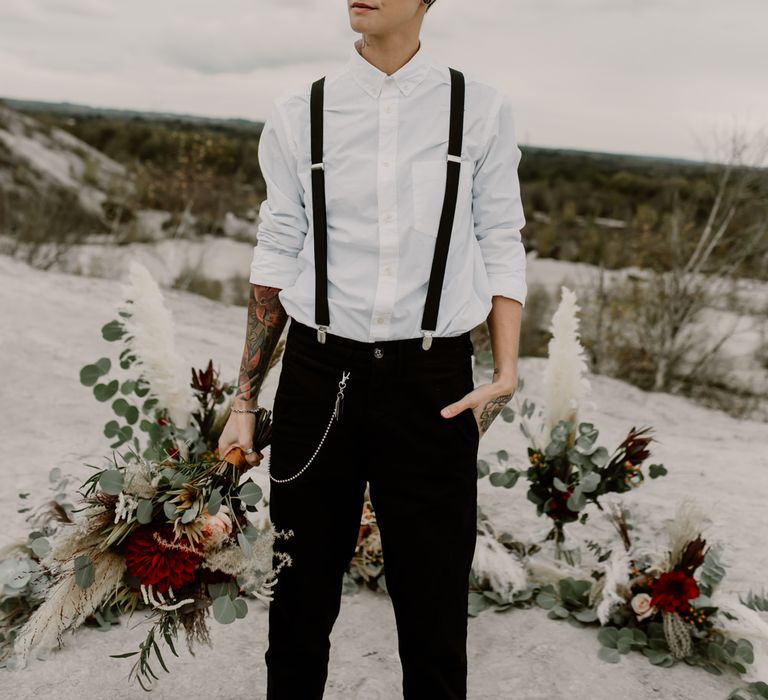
[(154, 557), (672, 591)]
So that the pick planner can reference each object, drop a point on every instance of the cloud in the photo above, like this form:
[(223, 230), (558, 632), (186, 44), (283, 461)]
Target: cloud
[(84, 9)]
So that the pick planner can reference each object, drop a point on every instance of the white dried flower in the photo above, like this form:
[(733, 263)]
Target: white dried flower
[(125, 507)]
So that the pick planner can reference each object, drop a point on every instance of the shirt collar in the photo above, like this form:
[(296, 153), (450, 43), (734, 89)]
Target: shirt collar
[(407, 77)]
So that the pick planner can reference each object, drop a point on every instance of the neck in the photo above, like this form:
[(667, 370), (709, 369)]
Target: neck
[(388, 54)]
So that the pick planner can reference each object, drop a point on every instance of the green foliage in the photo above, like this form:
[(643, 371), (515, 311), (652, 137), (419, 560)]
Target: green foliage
[(569, 601), (134, 411), (711, 572), (165, 626), (751, 691), (756, 601)]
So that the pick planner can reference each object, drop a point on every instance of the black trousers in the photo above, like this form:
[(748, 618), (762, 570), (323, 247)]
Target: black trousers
[(421, 468)]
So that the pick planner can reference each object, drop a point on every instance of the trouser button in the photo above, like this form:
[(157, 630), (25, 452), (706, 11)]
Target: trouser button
[(378, 352)]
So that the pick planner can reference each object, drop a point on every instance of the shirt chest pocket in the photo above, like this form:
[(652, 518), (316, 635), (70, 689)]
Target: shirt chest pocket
[(428, 189)]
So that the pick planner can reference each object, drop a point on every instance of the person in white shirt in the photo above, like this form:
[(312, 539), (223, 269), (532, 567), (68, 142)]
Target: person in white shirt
[(390, 229)]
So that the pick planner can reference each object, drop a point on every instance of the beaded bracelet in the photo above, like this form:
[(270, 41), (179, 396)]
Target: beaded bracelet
[(246, 410)]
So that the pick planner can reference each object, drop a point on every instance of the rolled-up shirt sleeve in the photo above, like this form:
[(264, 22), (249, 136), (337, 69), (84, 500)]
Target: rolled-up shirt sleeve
[(497, 206), (282, 217)]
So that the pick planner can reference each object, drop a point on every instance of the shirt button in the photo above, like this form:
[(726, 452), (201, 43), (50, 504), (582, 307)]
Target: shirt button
[(387, 270), (387, 108), (386, 163), (378, 353)]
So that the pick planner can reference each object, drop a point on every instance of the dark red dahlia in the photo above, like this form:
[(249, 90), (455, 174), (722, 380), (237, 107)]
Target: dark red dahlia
[(155, 558), (672, 591)]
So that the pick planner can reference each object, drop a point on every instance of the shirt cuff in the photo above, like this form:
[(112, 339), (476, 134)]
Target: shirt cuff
[(511, 287), (273, 269)]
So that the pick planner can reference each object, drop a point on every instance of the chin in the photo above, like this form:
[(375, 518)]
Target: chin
[(359, 24)]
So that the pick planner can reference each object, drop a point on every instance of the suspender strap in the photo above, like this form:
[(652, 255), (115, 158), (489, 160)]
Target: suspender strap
[(320, 223), (440, 256)]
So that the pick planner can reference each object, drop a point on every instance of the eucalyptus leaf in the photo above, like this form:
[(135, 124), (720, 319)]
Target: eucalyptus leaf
[(608, 636), (241, 608), (599, 457), (610, 655), (546, 599), (224, 610), (586, 616), (112, 331), (577, 501), (589, 482), (120, 406), (189, 515), (104, 392), (245, 545), (144, 511), (84, 571), (745, 650), (41, 546), (169, 508), (483, 468), (250, 493), (111, 481), (132, 415), (477, 603), (216, 590), (89, 375), (215, 500), (558, 611)]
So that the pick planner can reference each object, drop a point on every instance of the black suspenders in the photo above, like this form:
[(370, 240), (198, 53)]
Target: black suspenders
[(320, 223)]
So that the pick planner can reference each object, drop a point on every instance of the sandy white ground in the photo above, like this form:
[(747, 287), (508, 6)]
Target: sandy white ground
[(50, 328)]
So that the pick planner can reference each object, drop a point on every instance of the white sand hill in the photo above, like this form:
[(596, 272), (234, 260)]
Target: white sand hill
[(51, 327)]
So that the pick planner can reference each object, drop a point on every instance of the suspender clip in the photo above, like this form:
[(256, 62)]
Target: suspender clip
[(321, 334), (318, 166), (427, 342), (457, 159)]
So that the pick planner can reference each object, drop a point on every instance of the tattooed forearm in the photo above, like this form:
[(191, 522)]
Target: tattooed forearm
[(492, 409), (266, 320)]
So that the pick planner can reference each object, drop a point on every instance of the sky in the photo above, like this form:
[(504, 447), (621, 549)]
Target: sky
[(651, 77)]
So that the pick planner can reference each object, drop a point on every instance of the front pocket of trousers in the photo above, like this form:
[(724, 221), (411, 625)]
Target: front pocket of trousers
[(445, 384), (303, 407)]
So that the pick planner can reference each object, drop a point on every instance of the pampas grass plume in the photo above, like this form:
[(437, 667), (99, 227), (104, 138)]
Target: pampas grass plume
[(152, 327), (494, 564), (565, 383), (67, 605)]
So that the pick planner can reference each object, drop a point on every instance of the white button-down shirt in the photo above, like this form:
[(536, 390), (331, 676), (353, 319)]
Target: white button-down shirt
[(385, 148)]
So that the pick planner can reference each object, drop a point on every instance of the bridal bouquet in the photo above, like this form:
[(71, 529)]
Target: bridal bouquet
[(168, 536)]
